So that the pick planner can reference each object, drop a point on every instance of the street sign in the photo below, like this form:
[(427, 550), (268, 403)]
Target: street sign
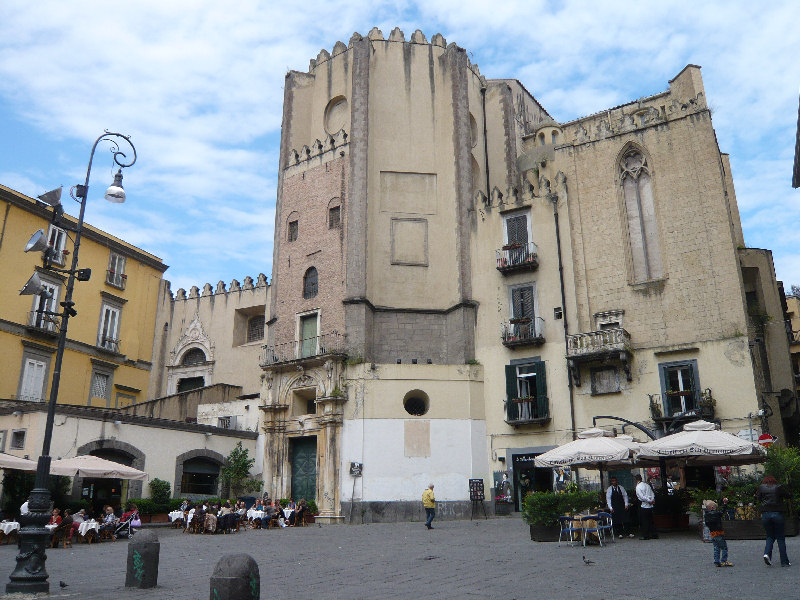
[(766, 439)]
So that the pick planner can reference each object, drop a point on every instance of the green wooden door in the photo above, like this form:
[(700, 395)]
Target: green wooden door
[(308, 336), (304, 468)]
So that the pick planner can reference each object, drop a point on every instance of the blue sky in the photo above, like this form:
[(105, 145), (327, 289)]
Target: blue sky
[(199, 87)]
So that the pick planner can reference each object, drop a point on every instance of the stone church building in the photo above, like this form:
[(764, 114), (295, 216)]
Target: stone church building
[(460, 282)]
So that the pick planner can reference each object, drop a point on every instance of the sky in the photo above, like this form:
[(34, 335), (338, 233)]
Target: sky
[(198, 85)]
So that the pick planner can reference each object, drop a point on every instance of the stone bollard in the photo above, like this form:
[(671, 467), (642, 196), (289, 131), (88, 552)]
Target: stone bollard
[(143, 552), (235, 578)]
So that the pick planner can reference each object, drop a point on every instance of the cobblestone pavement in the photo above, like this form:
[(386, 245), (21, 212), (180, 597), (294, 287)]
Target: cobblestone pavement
[(492, 558)]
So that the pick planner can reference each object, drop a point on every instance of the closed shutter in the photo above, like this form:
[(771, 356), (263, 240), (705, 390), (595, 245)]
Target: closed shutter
[(522, 302), (541, 380), (33, 380), (517, 229), (511, 382)]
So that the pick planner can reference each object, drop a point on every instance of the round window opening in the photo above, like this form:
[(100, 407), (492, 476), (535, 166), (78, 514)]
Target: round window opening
[(416, 403)]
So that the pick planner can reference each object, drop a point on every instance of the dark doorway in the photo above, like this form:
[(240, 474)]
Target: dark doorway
[(190, 383), (528, 478), (304, 468), (100, 492)]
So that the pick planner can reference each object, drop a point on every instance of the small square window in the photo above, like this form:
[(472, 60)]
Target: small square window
[(605, 380), (18, 439), (255, 328), (334, 217), (292, 230), (100, 385)]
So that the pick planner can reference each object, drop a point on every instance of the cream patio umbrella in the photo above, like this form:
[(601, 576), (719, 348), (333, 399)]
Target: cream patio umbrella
[(592, 450), (701, 443), (8, 461), (96, 467)]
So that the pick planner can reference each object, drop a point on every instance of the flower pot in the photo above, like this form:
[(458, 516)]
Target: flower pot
[(752, 529), (544, 533), (502, 508)]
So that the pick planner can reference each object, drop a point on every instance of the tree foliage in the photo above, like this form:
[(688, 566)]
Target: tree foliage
[(236, 471)]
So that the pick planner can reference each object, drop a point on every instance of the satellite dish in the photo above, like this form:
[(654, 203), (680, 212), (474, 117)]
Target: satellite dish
[(37, 243)]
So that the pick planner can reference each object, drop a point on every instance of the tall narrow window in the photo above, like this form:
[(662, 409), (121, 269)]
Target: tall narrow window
[(108, 334), (57, 240), (680, 386), (39, 319), (334, 217), (517, 235), (641, 216), (116, 271), (33, 374), (308, 335), (310, 283), (292, 230)]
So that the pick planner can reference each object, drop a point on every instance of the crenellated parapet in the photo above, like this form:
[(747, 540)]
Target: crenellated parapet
[(212, 292)]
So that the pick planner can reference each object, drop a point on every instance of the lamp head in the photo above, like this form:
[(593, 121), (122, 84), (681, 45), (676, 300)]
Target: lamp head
[(53, 197), (115, 193), (32, 287), (37, 243)]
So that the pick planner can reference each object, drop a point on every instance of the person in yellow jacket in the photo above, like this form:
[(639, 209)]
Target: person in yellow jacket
[(429, 502)]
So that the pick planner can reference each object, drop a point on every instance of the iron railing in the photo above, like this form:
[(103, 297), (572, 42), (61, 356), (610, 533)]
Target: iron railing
[(517, 257), (527, 410), (45, 323), (523, 331), (598, 342), (327, 343), (116, 279), (109, 344)]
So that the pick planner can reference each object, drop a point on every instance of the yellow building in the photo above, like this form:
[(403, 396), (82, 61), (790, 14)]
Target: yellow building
[(107, 360)]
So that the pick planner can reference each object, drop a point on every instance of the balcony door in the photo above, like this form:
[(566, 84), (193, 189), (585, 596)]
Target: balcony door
[(308, 335), (517, 235)]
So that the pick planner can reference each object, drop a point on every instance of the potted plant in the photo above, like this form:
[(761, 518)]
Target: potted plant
[(503, 505), (513, 246), (541, 510)]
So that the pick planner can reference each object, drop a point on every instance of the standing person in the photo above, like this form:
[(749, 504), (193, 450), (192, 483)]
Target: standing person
[(429, 502), (647, 498), (617, 501), (771, 494), (713, 520)]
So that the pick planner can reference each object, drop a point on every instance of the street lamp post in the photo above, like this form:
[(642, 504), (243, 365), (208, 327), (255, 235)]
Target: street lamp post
[(30, 575)]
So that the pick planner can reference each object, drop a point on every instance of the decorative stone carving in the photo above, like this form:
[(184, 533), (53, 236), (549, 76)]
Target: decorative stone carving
[(356, 37), (235, 286), (544, 186), (194, 292), (220, 287), (497, 196), (375, 34), (181, 294), (418, 37), (438, 40), (261, 281), (581, 135), (248, 283), (397, 35), (323, 56), (195, 337), (207, 289), (338, 48), (312, 64)]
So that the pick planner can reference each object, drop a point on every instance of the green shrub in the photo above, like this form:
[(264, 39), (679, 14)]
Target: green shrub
[(160, 491), (544, 508), (312, 507)]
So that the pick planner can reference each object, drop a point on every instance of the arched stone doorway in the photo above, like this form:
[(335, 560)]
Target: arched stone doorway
[(197, 474), (109, 491)]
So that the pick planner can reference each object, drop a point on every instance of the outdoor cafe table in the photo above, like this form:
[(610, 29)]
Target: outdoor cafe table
[(7, 528), (86, 527), (255, 514), (50, 527), (176, 515)]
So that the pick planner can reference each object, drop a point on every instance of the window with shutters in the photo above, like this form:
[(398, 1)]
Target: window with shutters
[(680, 386), (522, 302), (516, 235), (308, 327), (40, 320), (57, 240), (642, 225), (108, 333), (100, 385), (115, 275), (526, 393), (34, 372)]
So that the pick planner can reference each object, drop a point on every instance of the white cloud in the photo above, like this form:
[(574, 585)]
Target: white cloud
[(199, 86)]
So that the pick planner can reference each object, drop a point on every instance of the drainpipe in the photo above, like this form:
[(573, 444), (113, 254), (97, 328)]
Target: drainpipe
[(554, 199), (485, 141)]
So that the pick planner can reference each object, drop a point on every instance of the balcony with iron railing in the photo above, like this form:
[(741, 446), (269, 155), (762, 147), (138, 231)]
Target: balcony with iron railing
[(298, 350), (523, 332), (527, 411), (118, 280), (42, 323), (686, 405), (517, 257), (110, 344)]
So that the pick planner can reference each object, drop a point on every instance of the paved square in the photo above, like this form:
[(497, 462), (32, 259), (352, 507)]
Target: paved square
[(492, 558)]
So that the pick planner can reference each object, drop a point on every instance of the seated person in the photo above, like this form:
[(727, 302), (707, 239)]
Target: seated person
[(210, 522), (132, 510), (299, 513), (56, 518), (184, 506), (64, 527), (225, 517), (78, 518), (109, 522)]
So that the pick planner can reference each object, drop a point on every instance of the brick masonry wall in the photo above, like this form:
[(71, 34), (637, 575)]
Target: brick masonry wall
[(308, 194)]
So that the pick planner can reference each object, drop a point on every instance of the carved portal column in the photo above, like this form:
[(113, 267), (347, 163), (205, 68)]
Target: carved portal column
[(328, 449)]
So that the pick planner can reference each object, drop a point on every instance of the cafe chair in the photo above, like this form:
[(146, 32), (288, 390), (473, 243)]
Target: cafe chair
[(570, 527), (590, 524), (604, 524)]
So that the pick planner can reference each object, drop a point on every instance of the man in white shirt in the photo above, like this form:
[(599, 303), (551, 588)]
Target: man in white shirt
[(617, 502), (647, 498)]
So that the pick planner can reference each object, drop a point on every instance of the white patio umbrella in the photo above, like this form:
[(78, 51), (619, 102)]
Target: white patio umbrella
[(94, 466), (7, 461), (592, 450), (701, 443)]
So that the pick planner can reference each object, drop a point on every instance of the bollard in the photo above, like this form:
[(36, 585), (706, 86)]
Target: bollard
[(235, 578), (143, 552)]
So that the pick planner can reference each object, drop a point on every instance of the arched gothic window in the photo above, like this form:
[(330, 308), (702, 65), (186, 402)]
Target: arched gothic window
[(310, 283), (640, 211), (193, 357)]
